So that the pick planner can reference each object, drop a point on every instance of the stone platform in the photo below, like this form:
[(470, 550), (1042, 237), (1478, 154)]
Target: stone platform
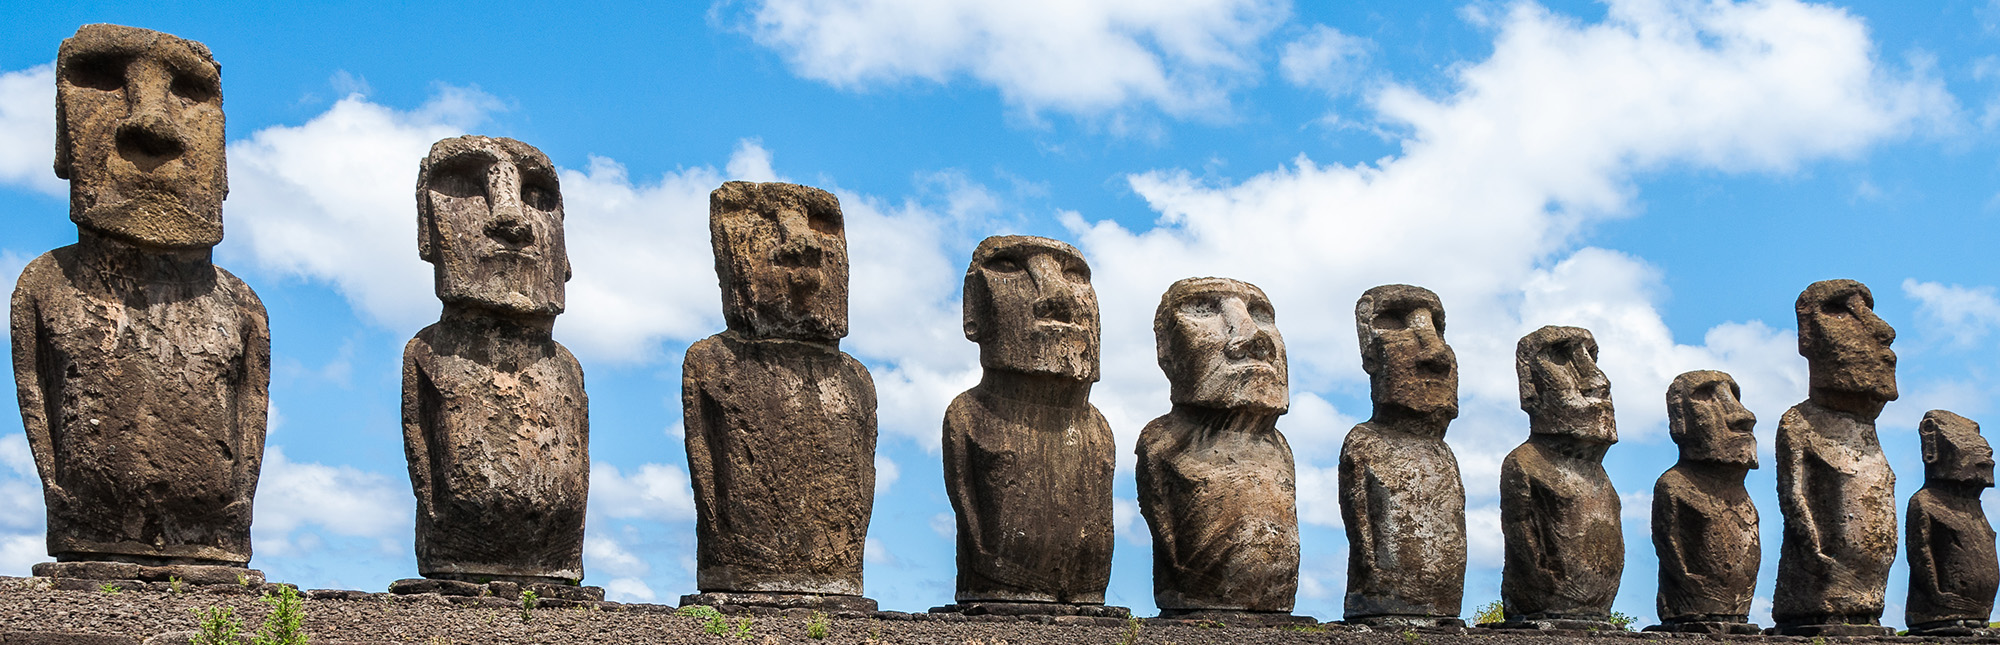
[(1705, 627), (1032, 609), (822, 602), (193, 574), (1830, 630), (500, 589), (1235, 618), (1400, 622), (1549, 624)]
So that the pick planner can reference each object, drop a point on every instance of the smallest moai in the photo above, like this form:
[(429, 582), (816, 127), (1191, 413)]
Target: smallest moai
[(1215, 476), (495, 421), (1704, 524), (1953, 569), (1565, 547)]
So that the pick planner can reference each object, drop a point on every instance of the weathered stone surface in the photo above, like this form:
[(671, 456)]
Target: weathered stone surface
[(996, 609), (1565, 547), (142, 368), (64, 638), (1236, 618), (1401, 498), (496, 424), (1215, 476), (189, 574), (780, 423), (1954, 570), (497, 589), (1027, 460), (1704, 524), (1835, 488), (822, 602)]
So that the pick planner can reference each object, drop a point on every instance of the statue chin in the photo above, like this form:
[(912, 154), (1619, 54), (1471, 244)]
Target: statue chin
[(157, 220)]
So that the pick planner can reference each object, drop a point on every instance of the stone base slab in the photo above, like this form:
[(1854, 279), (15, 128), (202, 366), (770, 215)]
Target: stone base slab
[(1545, 624), (1399, 622), (193, 574), (1966, 627), (1705, 627), (1033, 609), (1830, 630), (498, 589), (822, 602), (1234, 618)]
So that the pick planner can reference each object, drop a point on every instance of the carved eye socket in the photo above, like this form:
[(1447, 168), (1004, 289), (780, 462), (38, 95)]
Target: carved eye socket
[(1390, 321), (1835, 309), (826, 222), (1003, 265), (194, 88), (461, 180), (540, 197), (1077, 273), (1262, 313), (104, 72), (1561, 354), (1704, 393)]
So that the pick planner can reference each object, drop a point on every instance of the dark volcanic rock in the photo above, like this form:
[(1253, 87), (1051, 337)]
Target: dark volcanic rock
[(1215, 476), (1028, 461), (780, 423), (1835, 488), (1704, 525), (142, 368), (495, 421), (1565, 546), (1954, 571), (1400, 495)]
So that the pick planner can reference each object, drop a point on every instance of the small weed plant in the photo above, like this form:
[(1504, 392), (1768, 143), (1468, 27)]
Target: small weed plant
[(817, 626), (1305, 629), (697, 611), (1623, 620), (244, 580), (286, 624), (1131, 632), (743, 628), (529, 600), (1410, 637), (216, 626), (109, 588), (716, 625), (175, 586)]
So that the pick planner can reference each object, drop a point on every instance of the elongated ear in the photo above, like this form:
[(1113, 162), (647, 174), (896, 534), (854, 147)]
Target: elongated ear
[(62, 140)]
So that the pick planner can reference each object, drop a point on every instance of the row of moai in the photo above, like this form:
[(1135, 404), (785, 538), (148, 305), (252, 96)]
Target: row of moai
[(142, 372)]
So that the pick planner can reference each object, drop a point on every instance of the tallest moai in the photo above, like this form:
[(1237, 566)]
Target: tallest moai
[(143, 369)]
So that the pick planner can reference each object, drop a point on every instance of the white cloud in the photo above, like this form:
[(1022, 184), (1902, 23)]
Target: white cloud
[(1963, 313), (28, 130), (1325, 59), (1084, 57), (874, 552), (886, 473), (946, 526), (606, 556), (655, 492), (1319, 494), (628, 590), (20, 553), (342, 500), (1128, 523)]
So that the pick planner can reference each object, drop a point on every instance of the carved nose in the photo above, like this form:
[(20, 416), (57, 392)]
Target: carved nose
[(512, 232), (148, 140), (1257, 346), (1059, 309)]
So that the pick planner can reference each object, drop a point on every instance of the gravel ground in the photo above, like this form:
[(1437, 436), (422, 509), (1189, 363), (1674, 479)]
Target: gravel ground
[(432, 620)]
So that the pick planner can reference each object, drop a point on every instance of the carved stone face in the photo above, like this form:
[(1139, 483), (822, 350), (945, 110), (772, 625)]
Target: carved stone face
[(1403, 351), (490, 221), (1218, 342), (139, 136), (781, 253), (1845, 344), (1030, 306), (1706, 417), (1954, 451), (1561, 388)]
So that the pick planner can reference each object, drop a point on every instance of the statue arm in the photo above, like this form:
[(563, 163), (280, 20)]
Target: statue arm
[(1924, 565), (253, 396), (1355, 511), (26, 328), (1792, 491), (1155, 504), (956, 469), (416, 448), (1668, 514), (697, 426)]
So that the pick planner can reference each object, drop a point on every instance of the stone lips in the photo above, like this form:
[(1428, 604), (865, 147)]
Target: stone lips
[(1565, 549), (1402, 503), (1215, 476), (780, 423), (142, 369)]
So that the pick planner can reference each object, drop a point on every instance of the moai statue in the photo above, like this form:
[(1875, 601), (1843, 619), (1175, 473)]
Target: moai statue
[(1027, 460), (1704, 525), (1835, 488), (143, 368), (495, 422), (1559, 514), (1400, 495), (780, 423), (1215, 476), (1953, 568)]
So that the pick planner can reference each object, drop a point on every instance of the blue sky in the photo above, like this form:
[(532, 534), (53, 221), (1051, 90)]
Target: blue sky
[(1667, 173)]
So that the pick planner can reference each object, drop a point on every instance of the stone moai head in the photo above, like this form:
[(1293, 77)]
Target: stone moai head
[(1706, 418), (1562, 390), (1218, 342), (781, 255), (1410, 368), (1030, 306), (139, 136), (1954, 451), (490, 222), (1845, 344)]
